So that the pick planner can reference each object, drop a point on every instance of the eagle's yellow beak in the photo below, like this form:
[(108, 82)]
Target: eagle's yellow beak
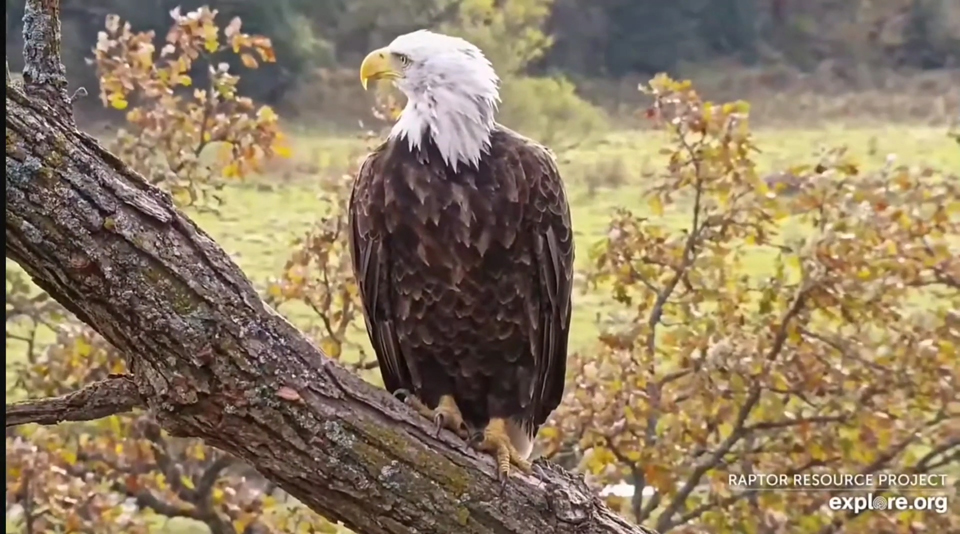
[(379, 64)]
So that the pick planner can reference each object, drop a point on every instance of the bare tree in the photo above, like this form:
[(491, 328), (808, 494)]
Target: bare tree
[(209, 359)]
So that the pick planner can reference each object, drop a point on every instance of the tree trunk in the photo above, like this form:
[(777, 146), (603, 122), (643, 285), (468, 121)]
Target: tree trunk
[(209, 359)]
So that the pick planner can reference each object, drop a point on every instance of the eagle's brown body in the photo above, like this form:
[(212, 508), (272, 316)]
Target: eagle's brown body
[(466, 277)]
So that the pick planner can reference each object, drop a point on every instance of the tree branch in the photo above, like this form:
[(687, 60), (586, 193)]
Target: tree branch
[(113, 395), (927, 463), (211, 360), (44, 75), (796, 421), (740, 429)]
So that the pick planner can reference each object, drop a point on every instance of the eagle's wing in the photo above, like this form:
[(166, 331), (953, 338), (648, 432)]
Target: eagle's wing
[(548, 213), (371, 267)]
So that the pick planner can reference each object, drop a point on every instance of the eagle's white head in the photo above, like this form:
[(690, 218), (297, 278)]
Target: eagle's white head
[(451, 88)]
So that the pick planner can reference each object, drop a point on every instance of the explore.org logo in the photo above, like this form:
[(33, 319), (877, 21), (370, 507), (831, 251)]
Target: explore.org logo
[(858, 492), (895, 503)]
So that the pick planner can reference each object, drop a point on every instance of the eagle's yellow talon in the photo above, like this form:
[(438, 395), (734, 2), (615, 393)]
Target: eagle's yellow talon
[(496, 442), (445, 415), (414, 402)]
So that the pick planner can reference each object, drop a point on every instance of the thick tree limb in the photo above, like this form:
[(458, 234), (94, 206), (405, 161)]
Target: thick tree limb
[(211, 360), (113, 395)]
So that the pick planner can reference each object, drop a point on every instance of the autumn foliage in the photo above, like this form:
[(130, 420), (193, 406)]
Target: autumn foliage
[(805, 333), (185, 100), (122, 474)]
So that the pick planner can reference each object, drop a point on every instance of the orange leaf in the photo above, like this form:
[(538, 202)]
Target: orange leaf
[(248, 61)]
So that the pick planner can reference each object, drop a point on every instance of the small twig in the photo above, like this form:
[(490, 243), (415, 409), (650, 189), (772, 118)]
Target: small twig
[(926, 464), (638, 476), (204, 494), (368, 365), (78, 94), (28, 511), (147, 500), (113, 395), (210, 476), (819, 419), (170, 468)]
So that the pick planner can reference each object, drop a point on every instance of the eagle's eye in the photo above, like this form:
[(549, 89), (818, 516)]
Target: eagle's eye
[(404, 59)]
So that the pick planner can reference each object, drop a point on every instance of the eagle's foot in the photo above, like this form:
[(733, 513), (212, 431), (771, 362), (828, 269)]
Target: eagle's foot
[(445, 415), (414, 402), (496, 442)]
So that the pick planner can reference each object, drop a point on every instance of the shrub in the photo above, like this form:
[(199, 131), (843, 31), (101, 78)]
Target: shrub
[(743, 351), (549, 111)]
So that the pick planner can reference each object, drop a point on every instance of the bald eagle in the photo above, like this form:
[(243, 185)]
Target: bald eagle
[(463, 251)]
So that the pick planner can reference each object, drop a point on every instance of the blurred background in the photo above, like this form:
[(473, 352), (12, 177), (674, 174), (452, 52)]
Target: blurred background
[(808, 53), (764, 196)]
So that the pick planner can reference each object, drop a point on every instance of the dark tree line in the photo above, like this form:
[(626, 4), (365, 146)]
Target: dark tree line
[(595, 38)]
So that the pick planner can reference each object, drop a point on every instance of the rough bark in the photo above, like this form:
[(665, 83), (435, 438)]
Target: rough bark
[(209, 359), (115, 394)]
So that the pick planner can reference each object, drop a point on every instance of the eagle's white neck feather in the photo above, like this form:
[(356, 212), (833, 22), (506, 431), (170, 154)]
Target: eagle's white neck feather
[(452, 95)]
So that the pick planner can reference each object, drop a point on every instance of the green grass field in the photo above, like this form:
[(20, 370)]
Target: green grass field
[(256, 225)]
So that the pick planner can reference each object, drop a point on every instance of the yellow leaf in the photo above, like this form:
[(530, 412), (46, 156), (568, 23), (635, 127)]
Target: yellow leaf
[(331, 347), (548, 433), (598, 461), (232, 170), (793, 334), (187, 482), (793, 262), (267, 114), (241, 524), (116, 430), (185, 80), (283, 151), (84, 348), (723, 198), (656, 205), (117, 101)]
